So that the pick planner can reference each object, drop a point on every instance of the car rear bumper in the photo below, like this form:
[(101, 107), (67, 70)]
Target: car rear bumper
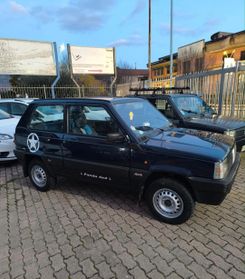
[(211, 191)]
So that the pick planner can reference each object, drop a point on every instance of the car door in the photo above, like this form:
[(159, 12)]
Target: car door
[(87, 152), (45, 133)]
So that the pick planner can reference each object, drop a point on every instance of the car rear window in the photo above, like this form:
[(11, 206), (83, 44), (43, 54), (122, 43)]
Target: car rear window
[(5, 107), (18, 109), (4, 115)]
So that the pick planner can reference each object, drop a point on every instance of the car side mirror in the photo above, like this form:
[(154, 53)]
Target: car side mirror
[(115, 137)]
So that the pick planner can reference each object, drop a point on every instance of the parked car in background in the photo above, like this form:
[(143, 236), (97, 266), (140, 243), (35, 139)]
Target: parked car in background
[(7, 128), (127, 143), (15, 107), (191, 111)]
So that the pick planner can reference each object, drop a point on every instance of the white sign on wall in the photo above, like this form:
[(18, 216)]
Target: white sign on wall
[(229, 62), (92, 60), (26, 58), (191, 50)]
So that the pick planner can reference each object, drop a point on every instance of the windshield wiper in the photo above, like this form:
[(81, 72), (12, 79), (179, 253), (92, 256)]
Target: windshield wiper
[(189, 111), (144, 128)]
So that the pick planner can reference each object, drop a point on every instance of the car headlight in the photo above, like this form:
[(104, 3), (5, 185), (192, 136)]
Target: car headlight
[(230, 133), (220, 169), (5, 137)]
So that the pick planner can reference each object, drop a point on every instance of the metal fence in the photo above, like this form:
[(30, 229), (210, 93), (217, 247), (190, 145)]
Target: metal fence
[(44, 92), (223, 89)]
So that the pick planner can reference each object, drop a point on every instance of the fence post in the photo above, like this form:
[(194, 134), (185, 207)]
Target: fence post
[(221, 91), (83, 91), (44, 91), (234, 90)]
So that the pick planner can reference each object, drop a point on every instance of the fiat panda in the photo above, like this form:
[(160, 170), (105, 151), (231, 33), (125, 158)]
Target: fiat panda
[(128, 143)]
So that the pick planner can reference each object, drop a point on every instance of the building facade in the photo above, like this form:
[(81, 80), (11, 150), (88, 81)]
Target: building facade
[(223, 50), (222, 46), (160, 71)]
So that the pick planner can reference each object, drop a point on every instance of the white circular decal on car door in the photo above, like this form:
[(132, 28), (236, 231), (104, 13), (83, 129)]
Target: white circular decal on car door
[(33, 142)]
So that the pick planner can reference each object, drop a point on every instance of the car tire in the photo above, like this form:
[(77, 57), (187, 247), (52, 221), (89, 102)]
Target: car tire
[(169, 201), (39, 176)]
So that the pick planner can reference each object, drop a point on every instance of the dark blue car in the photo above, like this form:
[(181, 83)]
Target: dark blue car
[(126, 142), (190, 111)]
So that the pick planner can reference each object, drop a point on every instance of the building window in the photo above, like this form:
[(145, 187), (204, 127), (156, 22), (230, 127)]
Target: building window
[(159, 71), (186, 67), (174, 68), (198, 64), (242, 55)]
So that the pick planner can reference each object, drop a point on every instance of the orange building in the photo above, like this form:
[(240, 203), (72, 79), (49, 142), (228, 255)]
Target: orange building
[(224, 45), (160, 71), (223, 50)]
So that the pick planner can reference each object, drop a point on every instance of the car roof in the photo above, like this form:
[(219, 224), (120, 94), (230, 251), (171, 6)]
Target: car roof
[(98, 100), (17, 100)]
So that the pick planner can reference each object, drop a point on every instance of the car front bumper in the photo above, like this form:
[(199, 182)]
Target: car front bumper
[(7, 150), (240, 143), (211, 191)]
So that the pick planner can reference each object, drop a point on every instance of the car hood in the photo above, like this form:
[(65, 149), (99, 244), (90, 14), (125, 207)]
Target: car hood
[(196, 144), (220, 123), (7, 126)]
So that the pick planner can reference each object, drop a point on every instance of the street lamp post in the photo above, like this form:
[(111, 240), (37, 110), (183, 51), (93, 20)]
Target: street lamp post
[(171, 43), (149, 45)]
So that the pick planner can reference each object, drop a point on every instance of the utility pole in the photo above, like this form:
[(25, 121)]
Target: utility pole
[(149, 46), (171, 43)]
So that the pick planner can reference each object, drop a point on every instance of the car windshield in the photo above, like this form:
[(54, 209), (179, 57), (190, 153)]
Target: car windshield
[(141, 117), (4, 115), (192, 106)]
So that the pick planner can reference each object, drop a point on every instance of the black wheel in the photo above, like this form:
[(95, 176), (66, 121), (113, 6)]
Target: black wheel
[(169, 201), (39, 175)]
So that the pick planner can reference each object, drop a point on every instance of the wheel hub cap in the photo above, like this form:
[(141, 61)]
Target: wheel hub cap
[(39, 176), (168, 203)]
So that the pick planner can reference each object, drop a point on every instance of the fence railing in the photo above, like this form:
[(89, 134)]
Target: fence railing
[(223, 89), (44, 92)]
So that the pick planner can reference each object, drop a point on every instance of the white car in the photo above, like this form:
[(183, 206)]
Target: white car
[(15, 107), (7, 130)]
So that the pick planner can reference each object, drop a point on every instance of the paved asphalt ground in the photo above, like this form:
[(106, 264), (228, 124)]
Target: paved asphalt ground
[(81, 231)]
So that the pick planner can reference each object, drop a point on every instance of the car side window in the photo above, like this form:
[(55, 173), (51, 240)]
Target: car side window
[(91, 121), (165, 108), (18, 109), (5, 107), (47, 118)]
